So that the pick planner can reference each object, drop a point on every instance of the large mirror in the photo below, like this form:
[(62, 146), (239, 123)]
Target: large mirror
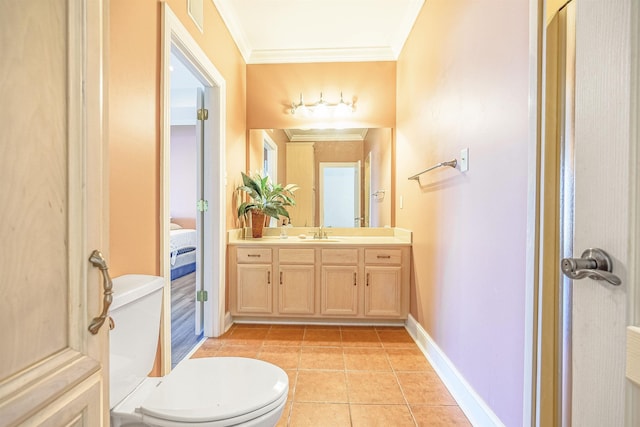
[(344, 174)]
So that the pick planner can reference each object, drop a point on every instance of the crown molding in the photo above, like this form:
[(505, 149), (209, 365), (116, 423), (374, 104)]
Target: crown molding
[(235, 29), (356, 54), (325, 135)]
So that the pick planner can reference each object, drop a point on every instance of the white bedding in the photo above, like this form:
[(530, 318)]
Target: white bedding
[(183, 238)]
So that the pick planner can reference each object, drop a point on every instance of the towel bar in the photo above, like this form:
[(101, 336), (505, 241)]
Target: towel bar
[(452, 163)]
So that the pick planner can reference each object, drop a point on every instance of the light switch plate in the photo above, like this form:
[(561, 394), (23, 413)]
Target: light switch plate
[(464, 160)]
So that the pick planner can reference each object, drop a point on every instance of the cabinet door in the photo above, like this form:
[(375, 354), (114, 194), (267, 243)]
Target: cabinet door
[(339, 293), (296, 289), (254, 288), (383, 294)]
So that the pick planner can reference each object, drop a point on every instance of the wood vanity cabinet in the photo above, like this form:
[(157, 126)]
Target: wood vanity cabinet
[(348, 282), (296, 281), (383, 283), (339, 286), (253, 294)]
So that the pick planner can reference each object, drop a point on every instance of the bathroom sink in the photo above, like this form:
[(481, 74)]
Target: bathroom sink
[(320, 240)]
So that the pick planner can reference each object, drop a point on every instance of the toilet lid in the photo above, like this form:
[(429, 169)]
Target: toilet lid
[(212, 389)]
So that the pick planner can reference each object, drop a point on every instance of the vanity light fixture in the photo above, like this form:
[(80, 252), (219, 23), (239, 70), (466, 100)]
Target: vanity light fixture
[(322, 109)]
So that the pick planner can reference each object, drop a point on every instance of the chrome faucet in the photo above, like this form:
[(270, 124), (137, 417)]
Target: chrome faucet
[(321, 234)]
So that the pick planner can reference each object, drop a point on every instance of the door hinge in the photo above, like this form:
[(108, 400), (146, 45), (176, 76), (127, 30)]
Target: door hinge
[(203, 114), (201, 296), (202, 206)]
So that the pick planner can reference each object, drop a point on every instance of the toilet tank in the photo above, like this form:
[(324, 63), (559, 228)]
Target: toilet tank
[(135, 310)]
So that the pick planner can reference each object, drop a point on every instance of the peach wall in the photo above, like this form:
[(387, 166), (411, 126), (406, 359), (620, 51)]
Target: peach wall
[(378, 143), (272, 87), (462, 81), (134, 84), (255, 157), (134, 123)]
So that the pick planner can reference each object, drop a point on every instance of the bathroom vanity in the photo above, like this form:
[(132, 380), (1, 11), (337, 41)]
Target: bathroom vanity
[(352, 274)]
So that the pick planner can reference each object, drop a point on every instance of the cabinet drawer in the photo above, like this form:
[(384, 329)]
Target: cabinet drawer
[(382, 256), (254, 255), (339, 256), (297, 256)]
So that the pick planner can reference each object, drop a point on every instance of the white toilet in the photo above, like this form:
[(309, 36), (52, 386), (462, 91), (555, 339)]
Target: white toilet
[(207, 392)]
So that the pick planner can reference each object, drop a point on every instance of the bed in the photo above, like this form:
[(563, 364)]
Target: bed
[(182, 252)]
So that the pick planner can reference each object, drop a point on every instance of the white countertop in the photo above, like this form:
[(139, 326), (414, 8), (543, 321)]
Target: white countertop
[(336, 237)]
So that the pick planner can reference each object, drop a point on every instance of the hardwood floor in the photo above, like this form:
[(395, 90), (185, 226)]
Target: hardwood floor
[(183, 337)]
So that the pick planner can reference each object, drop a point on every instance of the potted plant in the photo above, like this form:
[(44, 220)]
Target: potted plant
[(265, 200)]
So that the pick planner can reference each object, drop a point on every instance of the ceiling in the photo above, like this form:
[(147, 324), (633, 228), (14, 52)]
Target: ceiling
[(287, 31)]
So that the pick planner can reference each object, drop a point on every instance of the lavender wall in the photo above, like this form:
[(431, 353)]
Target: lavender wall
[(183, 172), (462, 81)]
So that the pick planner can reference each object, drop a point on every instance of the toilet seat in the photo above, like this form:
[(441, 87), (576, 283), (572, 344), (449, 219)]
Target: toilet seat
[(244, 389)]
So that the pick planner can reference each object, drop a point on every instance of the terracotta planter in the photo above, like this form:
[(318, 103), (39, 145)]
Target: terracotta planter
[(257, 223)]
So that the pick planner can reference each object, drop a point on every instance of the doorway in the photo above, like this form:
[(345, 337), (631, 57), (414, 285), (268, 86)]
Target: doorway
[(340, 194), (186, 225), (211, 200)]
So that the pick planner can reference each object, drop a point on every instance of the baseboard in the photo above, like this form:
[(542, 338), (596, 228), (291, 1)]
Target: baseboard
[(476, 410), (228, 321)]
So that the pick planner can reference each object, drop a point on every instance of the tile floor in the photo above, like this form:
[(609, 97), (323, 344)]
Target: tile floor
[(346, 375)]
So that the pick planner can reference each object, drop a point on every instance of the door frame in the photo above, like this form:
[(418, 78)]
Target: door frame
[(175, 34)]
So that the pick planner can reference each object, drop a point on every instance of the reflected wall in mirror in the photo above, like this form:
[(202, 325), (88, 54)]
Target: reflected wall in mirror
[(301, 153)]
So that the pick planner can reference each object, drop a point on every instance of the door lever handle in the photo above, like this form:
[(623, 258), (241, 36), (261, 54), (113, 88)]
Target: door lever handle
[(594, 263), (98, 261)]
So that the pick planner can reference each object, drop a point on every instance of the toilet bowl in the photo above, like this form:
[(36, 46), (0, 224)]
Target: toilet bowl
[(205, 392)]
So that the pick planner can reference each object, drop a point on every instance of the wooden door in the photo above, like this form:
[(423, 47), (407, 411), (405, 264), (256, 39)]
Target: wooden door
[(604, 141), (52, 215)]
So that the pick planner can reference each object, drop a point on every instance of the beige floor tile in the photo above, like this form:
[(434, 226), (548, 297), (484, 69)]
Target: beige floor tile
[(408, 359), (284, 357), (233, 350), (293, 377), (391, 338), (373, 387), (357, 328), (320, 415), (326, 327), (366, 359), (286, 337), (424, 388), (250, 336), (321, 386), (360, 338), (322, 358), (439, 416), (346, 375), (322, 337), (284, 418), (380, 416), (211, 343), (204, 352), (251, 326)]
